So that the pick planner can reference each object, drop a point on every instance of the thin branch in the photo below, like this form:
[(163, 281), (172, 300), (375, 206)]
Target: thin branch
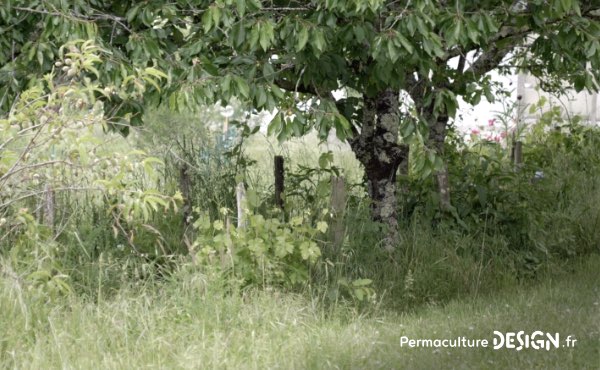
[(36, 165), (461, 64), (37, 193), (79, 17)]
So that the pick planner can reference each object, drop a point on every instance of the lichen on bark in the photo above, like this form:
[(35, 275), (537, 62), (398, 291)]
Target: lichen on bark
[(379, 151)]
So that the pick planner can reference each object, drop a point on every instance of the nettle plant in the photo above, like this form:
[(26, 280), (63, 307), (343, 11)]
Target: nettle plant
[(53, 152), (263, 251)]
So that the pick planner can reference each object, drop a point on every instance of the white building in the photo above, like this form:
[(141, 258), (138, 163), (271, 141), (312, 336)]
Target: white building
[(571, 103)]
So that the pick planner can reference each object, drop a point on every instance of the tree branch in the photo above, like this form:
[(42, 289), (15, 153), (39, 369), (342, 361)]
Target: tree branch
[(460, 68), (79, 17), (295, 87), (489, 60)]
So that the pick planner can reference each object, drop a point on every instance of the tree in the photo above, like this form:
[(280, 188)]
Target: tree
[(293, 55)]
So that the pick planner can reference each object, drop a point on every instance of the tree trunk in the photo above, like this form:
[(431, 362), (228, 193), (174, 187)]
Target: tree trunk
[(185, 185), (437, 138), (279, 182), (377, 148), (338, 206)]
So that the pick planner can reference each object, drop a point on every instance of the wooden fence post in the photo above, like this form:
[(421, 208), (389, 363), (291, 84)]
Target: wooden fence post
[(279, 177), (49, 208), (240, 197), (518, 153), (338, 207), (185, 185)]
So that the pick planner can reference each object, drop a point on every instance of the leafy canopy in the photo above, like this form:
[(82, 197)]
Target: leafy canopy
[(292, 55)]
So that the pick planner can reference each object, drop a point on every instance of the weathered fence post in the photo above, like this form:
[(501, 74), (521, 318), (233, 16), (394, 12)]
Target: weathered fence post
[(338, 206), (185, 185), (279, 177), (240, 197), (518, 153), (517, 149), (49, 207)]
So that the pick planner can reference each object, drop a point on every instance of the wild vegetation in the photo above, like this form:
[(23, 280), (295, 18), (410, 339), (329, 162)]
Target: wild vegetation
[(161, 244)]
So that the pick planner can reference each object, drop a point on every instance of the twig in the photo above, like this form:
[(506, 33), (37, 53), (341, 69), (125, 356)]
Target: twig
[(36, 193)]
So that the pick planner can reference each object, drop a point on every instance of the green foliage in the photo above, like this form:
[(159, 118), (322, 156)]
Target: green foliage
[(59, 172), (186, 320), (212, 159), (309, 188), (533, 204), (360, 289), (264, 252), (265, 55)]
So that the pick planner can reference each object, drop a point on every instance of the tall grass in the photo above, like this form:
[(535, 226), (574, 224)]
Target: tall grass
[(86, 287), (187, 322)]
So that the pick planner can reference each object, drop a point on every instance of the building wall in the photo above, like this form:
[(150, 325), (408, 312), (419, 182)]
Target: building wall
[(583, 104)]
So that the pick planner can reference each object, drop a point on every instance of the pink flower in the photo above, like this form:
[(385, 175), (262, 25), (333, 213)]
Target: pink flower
[(491, 122), (503, 134), (497, 139), (474, 131)]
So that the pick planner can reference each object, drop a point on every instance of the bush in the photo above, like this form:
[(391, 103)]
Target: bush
[(264, 252), (60, 174)]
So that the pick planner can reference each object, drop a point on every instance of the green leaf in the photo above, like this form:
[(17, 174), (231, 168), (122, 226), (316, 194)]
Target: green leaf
[(393, 53), (226, 83), (132, 13), (242, 86), (215, 12), (266, 34), (489, 95), (592, 48), (342, 126), (268, 72), (302, 39), (482, 194), (451, 105), (207, 20), (405, 43), (254, 36), (218, 225), (155, 72), (439, 102), (239, 32), (276, 125), (472, 31), (241, 7), (362, 282), (318, 40), (456, 32), (359, 33), (277, 92), (256, 4), (40, 57), (325, 159), (410, 25), (426, 172), (261, 96), (297, 127), (322, 226)]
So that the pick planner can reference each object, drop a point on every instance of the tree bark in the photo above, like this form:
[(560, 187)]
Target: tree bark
[(437, 138), (185, 185), (279, 182), (338, 206), (377, 148)]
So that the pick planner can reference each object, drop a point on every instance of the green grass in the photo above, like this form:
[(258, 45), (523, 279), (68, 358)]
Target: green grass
[(303, 151), (188, 322)]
